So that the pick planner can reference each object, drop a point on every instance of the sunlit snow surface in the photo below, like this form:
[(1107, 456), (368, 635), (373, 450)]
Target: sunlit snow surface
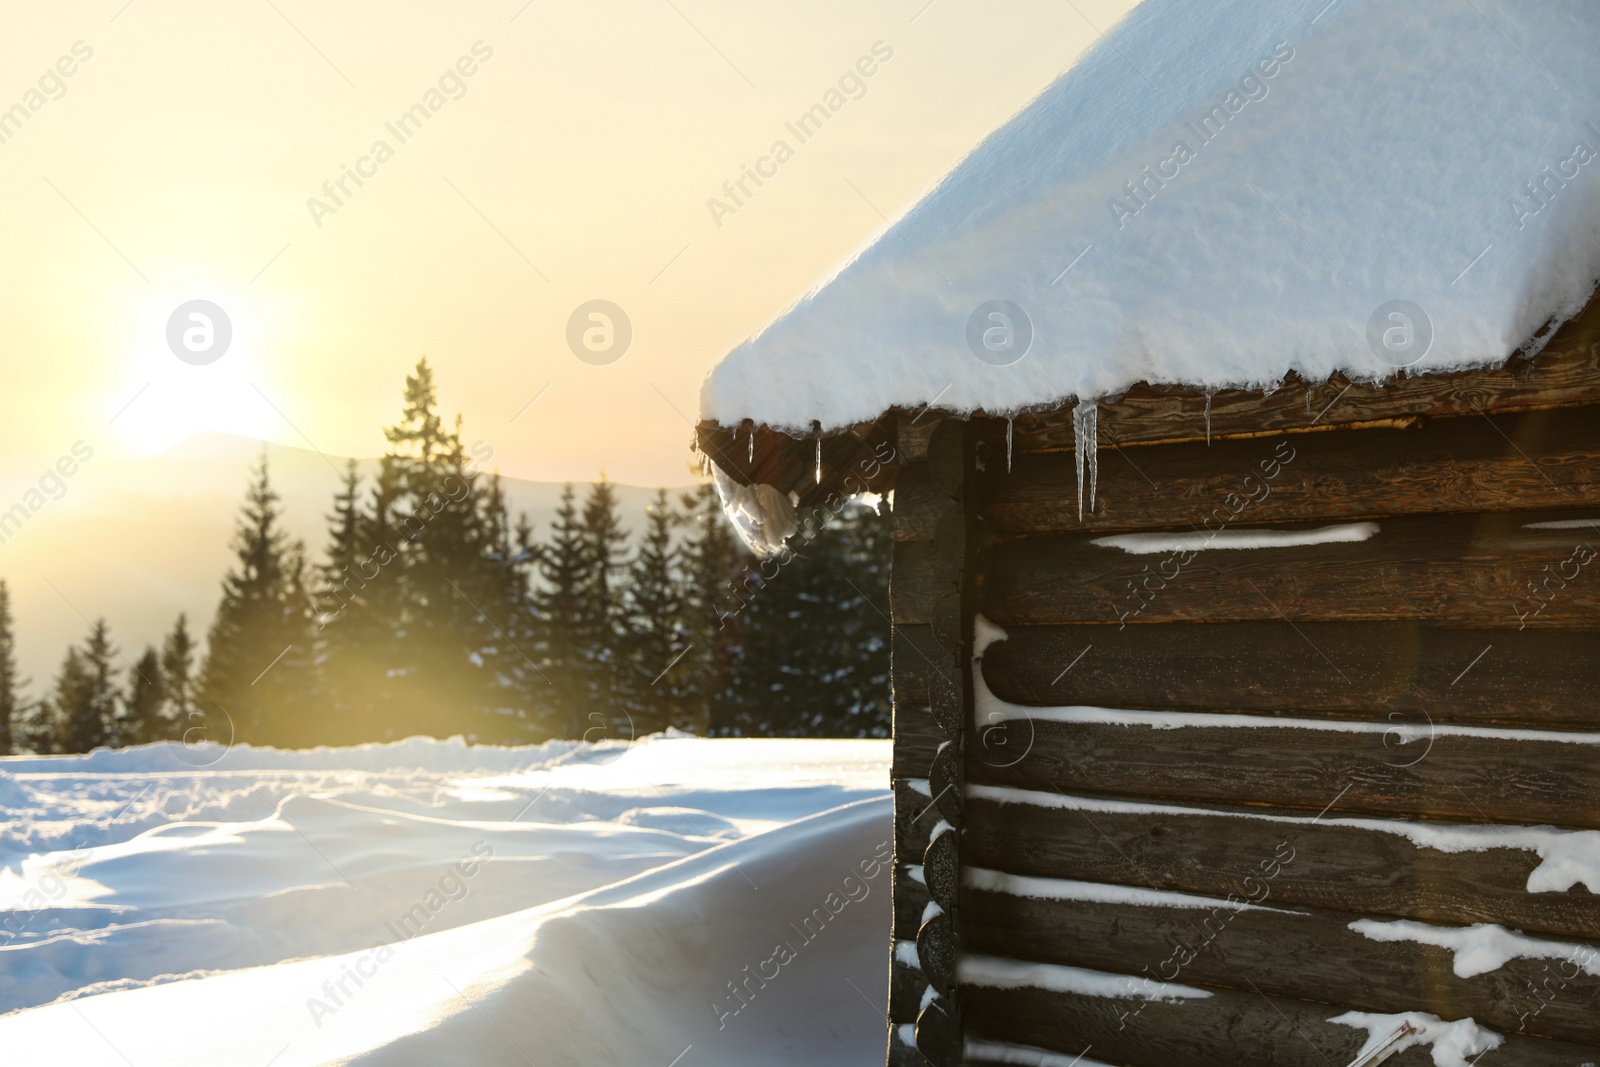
[(1218, 193), (428, 903)]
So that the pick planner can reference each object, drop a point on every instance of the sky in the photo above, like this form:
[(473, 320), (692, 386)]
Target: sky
[(159, 153), (559, 154)]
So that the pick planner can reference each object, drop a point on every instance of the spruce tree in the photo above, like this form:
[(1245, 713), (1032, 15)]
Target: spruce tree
[(86, 697), (653, 685), (259, 656), (178, 682), (815, 640), (602, 614), (715, 565), (447, 630), (559, 601), (352, 635), (145, 717), (515, 686), (10, 684)]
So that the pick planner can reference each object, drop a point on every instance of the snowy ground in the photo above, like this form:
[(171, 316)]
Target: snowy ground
[(428, 903)]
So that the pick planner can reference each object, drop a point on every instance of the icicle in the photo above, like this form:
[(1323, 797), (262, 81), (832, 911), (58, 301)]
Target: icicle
[(1009, 428), (752, 457), (819, 460), (1086, 438), (1208, 418)]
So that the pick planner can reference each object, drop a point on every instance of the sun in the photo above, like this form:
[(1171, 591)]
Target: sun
[(195, 365)]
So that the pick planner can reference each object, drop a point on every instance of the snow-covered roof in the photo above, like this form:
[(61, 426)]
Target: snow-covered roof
[(1217, 194)]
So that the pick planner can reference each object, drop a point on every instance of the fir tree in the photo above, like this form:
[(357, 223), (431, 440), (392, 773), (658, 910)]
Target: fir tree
[(601, 617), (10, 684), (353, 635), (144, 717), (652, 687), (259, 654), (178, 683), (714, 568), (559, 602), (448, 581), (86, 698), (514, 683), (815, 640)]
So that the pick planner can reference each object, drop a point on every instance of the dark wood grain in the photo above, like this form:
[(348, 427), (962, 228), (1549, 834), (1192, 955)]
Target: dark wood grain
[(1565, 373), (1467, 569), (910, 901), (1280, 764), (1541, 459), (1227, 1029), (1343, 868), (1413, 670), (1301, 954)]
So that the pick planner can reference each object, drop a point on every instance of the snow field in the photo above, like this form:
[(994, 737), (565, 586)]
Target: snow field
[(428, 902)]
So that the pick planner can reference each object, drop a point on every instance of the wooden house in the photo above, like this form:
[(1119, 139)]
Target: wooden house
[(1323, 734), (1231, 725)]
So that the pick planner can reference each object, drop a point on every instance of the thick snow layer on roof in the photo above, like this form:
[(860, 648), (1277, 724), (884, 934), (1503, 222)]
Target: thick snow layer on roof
[(1217, 194)]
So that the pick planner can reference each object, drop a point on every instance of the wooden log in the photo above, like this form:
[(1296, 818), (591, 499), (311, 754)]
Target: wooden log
[(860, 456), (1504, 778), (905, 992), (1330, 866), (915, 661), (1542, 459), (900, 1053), (910, 902), (1417, 672), (1300, 954), (1566, 373), (1225, 1029), (1483, 570), (914, 818)]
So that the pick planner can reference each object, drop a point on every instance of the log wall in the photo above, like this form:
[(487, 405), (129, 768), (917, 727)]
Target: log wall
[(1217, 797)]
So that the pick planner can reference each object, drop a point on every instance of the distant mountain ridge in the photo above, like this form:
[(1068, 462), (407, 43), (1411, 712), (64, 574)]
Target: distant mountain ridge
[(138, 541)]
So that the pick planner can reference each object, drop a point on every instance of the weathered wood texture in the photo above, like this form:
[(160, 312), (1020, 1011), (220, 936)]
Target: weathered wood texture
[(931, 611), (1367, 670), (1345, 868), (1302, 954), (1565, 373), (860, 458), (1444, 776), (1227, 1029), (1541, 459), (914, 816), (910, 902), (1485, 570)]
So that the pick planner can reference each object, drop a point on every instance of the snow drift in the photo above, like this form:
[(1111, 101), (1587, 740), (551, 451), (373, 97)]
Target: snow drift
[(722, 902)]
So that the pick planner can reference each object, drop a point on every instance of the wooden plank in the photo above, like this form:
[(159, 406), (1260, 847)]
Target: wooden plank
[(1322, 864), (1300, 954), (1477, 569), (1565, 373), (1368, 670), (1224, 1030), (1541, 459), (1290, 764)]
